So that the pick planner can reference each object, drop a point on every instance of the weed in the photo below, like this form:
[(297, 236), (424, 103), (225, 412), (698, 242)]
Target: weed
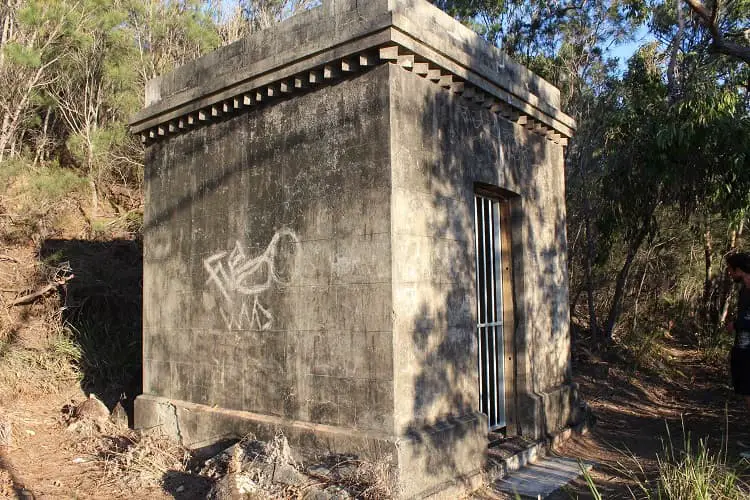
[(107, 357), (686, 472), (29, 371), (9, 170), (53, 183)]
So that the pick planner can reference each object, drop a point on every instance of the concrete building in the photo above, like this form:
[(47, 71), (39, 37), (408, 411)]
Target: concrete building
[(355, 234)]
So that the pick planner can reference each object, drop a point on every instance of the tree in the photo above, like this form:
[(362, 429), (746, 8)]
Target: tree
[(728, 24), (35, 36)]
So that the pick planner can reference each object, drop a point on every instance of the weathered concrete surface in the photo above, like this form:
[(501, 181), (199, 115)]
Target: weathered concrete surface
[(442, 146), (309, 260), (541, 479), (267, 261), (268, 291)]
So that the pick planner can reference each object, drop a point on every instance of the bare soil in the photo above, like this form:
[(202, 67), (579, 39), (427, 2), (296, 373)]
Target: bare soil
[(639, 413), (46, 461)]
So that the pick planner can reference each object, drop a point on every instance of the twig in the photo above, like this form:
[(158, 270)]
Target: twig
[(33, 297)]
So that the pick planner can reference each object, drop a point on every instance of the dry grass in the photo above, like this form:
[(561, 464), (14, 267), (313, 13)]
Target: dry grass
[(6, 431), (369, 479), (37, 358), (138, 459), (685, 471)]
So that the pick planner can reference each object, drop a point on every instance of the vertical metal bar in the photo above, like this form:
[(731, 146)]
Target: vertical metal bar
[(479, 319), (498, 280), (484, 264), (493, 318), (499, 260)]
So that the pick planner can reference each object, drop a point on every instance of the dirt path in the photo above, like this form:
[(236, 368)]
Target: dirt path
[(634, 411)]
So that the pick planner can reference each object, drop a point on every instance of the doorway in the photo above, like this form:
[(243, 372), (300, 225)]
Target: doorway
[(494, 304)]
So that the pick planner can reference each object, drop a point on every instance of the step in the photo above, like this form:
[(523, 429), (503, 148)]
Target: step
[(540, 479), (510, 454)]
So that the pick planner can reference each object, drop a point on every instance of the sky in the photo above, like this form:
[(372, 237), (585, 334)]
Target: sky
[(625, 50)]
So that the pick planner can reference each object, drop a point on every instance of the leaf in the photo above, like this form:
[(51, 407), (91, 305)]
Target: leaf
[(22, 55)]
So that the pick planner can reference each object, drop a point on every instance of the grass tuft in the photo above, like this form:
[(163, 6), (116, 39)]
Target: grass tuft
[(684, 472)]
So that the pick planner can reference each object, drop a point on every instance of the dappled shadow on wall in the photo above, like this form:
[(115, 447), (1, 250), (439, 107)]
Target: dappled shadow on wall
[(102, 308), (462, 144)]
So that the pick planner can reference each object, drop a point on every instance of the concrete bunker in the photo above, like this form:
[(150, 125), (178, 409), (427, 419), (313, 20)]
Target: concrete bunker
[(355, 234)]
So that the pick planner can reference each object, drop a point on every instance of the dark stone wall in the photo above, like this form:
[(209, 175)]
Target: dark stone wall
[(267, 260)]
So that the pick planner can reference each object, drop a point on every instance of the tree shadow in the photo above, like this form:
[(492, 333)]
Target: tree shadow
[(102, 308), (445, 146)]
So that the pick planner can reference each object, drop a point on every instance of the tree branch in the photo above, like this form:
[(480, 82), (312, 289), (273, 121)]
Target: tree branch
[(33, 297), (720, 44)]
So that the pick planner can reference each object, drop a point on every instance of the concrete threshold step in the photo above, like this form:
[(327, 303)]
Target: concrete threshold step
[(510, 454), (540, 479)]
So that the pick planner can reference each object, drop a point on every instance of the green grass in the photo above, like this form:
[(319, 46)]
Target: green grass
[(688, 472), (107, 357)]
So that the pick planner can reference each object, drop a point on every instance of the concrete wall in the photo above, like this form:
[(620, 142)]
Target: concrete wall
[(309, 240), (442, 145), (267, 264)]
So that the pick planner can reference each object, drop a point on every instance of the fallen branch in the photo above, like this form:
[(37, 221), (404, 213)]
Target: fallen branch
[(33, 297)]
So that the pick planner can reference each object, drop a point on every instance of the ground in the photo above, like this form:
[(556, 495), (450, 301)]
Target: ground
[(639, 413), (632, 410)]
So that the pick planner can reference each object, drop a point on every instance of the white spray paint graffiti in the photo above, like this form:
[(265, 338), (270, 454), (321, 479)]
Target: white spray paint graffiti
[(241, 280)]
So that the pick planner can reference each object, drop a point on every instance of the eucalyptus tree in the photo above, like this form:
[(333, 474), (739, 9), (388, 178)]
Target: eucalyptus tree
[(708, 133), (727, 23)]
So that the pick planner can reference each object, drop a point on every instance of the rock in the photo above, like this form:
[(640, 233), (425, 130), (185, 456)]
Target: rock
[(233, 485), (337, 493), (319, 470), (119, 416), (91, 409), (330, 493), (315, 494), (287, 474)]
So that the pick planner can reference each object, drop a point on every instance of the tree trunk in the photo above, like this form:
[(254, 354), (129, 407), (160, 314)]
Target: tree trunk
[(622, 277), (588, 258), (42, 142), (720, 44), (726, 287), (708, 283), (673, 87)]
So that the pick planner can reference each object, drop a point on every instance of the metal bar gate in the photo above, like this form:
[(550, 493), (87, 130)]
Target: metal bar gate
[(488, 241)]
